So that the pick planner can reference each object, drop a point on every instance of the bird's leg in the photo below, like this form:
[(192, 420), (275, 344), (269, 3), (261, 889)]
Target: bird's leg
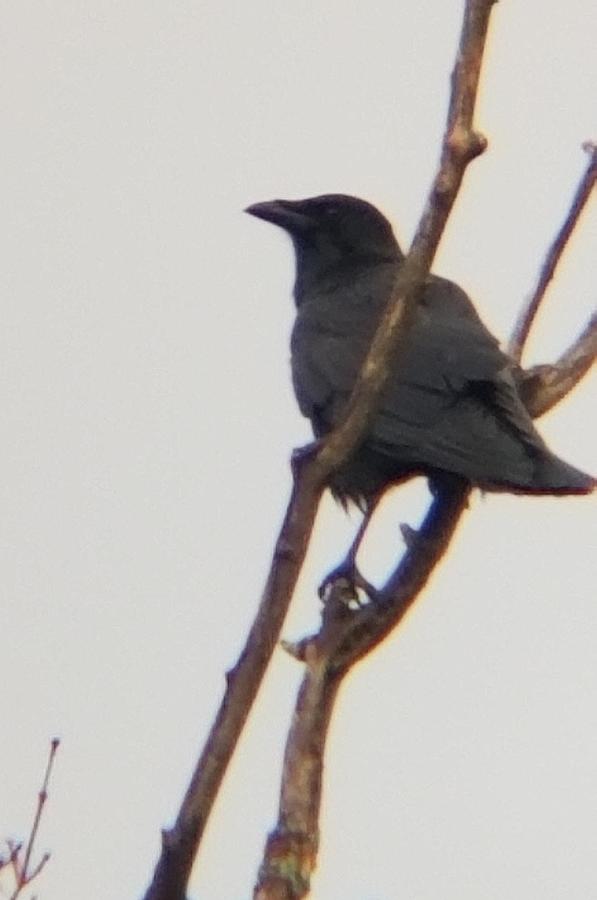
[(438, 482), (347, 571), (302, 455)]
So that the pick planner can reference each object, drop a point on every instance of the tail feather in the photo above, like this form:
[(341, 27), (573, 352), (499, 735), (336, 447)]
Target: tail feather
[(554, 476)]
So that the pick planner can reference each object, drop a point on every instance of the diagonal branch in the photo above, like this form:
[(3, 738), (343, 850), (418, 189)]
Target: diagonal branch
[(461, 145), (181, 842), (22, 871), (554, 254)]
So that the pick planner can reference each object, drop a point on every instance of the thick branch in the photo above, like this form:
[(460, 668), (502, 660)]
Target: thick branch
[(461, 145), (529, 312), (292, 848), (180, 844)]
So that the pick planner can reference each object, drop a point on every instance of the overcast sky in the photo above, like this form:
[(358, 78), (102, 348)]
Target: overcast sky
[(148, 420)]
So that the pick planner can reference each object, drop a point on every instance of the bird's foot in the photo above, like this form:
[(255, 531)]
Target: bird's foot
[(347, 582)]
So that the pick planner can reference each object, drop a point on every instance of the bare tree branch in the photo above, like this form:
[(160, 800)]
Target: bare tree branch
[(544, 386), (292, 848), (23, 875), (529, 312), (312, 468), (180, 844)]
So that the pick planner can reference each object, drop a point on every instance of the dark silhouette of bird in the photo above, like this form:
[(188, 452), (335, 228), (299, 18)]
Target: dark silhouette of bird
[(451, 405)]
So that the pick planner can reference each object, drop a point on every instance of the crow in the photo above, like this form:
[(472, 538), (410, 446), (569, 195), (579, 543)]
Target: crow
[(451, 405)]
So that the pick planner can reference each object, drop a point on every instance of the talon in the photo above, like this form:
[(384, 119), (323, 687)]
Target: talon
[(330, 579), (350, 582)]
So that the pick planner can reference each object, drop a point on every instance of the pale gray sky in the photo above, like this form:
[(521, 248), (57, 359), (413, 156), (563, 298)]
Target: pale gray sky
[(148, 420)]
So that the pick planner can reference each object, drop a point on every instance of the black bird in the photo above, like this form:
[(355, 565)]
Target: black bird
[(451, 406)]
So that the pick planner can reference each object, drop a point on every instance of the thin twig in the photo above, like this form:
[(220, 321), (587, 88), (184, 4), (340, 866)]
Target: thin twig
[(554, 254), (13, 858), (41, 801), (22, 875)]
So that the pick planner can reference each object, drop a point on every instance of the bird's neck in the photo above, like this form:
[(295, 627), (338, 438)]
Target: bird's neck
[(317, 272)]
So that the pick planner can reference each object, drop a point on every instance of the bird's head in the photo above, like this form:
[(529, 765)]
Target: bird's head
[(329, 233)]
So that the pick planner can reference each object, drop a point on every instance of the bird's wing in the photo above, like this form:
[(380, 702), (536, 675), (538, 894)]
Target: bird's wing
[(326, 355), (453, 405), (501, 394), (447, 361), (450, 402)]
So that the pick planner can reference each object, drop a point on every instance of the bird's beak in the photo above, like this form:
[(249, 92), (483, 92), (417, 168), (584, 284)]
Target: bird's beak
[(288, 214)]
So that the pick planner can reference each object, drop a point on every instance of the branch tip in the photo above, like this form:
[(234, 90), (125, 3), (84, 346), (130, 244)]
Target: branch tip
[(529, 312)]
